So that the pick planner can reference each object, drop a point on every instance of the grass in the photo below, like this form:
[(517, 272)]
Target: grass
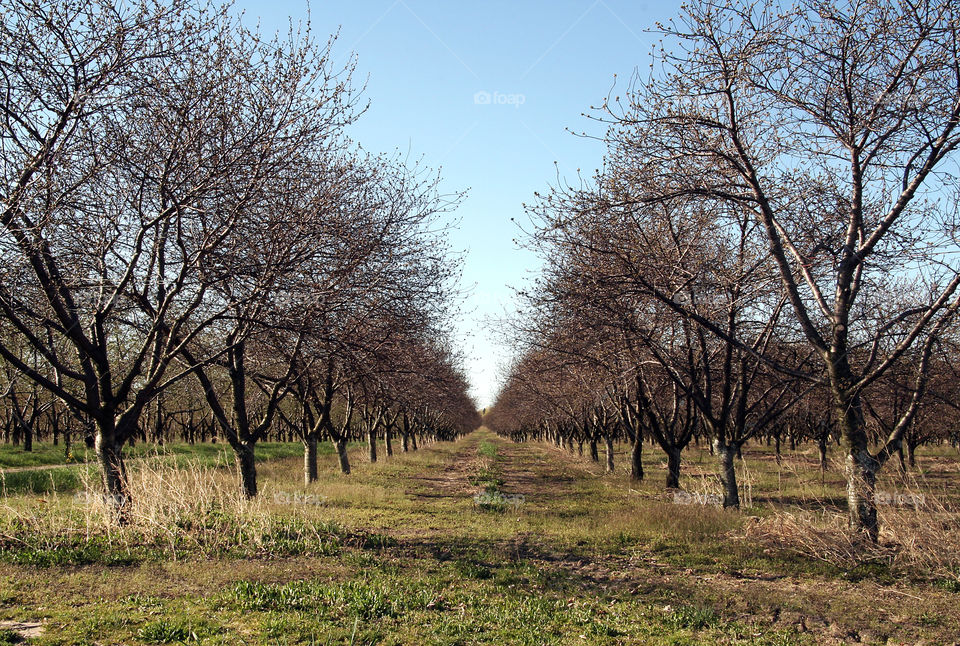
[(489, 478), (46, 454), (399, 553), (79, 470), (46, 481)]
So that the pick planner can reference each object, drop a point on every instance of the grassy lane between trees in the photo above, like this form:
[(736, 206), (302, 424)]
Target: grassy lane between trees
[(480, 541)]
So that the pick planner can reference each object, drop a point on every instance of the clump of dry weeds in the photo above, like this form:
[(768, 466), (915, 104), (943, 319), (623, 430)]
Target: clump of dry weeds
[(919, 532), (171, 511)]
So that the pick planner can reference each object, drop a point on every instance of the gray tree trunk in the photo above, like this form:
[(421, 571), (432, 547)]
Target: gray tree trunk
[(248, 471), (372, 443), (113, 471), (310, 459), (728, 474), (342, 455), (673, 469), (861, 472), (636, 459), (609, 444)]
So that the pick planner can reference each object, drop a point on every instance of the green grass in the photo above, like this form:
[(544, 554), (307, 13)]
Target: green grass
[(45, 481), (220, 535), (487, 449), (46, 454), (71, 477)]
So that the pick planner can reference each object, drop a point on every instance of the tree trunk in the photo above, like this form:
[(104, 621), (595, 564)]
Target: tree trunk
[(609, 443), (728, 474), (372, 442), (636, 459), (158, 422), (776, 442), (310, 459), (594, 452), (413, 441), (861, 473), (28, 438), (405, 442), (900, 460), (673, 468), (911, 455), (248, 471), (389, 435), (342, 455), (822, 447), (110, 456)]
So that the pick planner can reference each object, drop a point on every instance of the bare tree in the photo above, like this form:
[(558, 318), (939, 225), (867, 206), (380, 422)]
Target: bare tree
[(835, 125), (139, 143)]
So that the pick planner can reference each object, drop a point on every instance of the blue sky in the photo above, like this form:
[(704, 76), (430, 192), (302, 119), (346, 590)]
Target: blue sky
[(486, 92)]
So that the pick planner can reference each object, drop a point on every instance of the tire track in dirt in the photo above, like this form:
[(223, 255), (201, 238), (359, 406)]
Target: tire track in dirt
[(453, 480), (530, 471)]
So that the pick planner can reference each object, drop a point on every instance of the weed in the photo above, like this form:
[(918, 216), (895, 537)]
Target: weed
[(360, 599), (472, 570), (950, 585), (166, 632), (691, 618), (487, 449)]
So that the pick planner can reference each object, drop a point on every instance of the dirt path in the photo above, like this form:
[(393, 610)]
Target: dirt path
[(451, 481), (532, 471)]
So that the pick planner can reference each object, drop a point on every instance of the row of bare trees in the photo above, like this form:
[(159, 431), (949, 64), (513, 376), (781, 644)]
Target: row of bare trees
[(774, 231), (181, 208)]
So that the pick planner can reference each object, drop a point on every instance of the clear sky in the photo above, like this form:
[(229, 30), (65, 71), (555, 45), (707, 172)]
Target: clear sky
[(485, 91)]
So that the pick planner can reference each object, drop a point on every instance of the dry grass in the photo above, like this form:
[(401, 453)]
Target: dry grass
[(919, 530), (172, 511), (796, 507)]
